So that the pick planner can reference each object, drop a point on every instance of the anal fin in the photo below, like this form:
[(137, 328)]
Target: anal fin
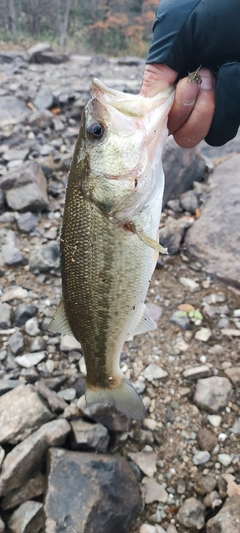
[(145, 322), (59, 322)]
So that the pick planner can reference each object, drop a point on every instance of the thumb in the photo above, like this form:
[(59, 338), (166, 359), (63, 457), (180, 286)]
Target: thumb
[(156, 78)]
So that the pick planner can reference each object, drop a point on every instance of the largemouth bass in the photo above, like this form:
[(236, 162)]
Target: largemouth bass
[(109, 238)]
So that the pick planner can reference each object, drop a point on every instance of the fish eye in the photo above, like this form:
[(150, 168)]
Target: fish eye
[(95, 131)]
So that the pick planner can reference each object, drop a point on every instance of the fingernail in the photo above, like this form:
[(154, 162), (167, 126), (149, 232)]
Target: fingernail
[(190, 93), (207, 80)]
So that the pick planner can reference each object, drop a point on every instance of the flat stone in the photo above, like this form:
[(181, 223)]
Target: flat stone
[(206, 439), (227, 519), (44, 99), (67, 394), (105, 485), (192, 514), (26, 188), (196, 372), (13, 110), (25, 460), (12, 154), (215, 420), (146, 461), (55, 403), (27, 518), (212, 394), (28, 491), (236, 427), (224, 459), (107, 415), (190, 284), (28, 360), (27, 222), (24, 312), (8, 384), (17, 293), (203, 334), (154, 492), (189, 201), (16, 342), (201, 457), (21, 413), (233, 374), (153, 371), (86, 436), (205, 484), (45, 258), (211, 240)]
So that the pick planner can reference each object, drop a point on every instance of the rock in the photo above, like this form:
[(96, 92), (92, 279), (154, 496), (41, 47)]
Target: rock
[(5, 316), (107, 415), (182, 167), (55, 403), (196, 372), (28, 360), (38, 48), (25, 459), (154, 492), (201, 457), (27, 518), (67, 394), (86, 436), (8, 384), (147, 528), (213, 394), (236, 427), (227, 519), (24, 312), (154, 371), (41, 119), (30, 490), (203, 334), (16, 342), (190, 284), (44, 99), (225, 459), (11, 155), (212, 240), (105, 486), (31, 327), (68, 343), (174, 205), (12, 110), (206, 439), (233, 374), (21, 413), (181, 321), (17, 293), (205, 484), (171, 235), (189, 202), (26, 188), (215, 420), (191, 514), (27, 222), (12, 256), (146, 461), (45, 258)]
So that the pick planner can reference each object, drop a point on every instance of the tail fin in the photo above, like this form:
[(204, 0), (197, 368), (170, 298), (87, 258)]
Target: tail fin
[(124, 398)]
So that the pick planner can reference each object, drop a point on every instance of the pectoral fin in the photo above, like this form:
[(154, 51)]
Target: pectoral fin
[(145, 322), (59, 322), (151, 242)]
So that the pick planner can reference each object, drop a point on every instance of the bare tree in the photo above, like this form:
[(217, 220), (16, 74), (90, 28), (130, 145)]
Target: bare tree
[(63, 12)]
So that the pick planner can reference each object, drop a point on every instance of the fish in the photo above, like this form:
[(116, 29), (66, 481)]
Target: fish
[(109, 241)]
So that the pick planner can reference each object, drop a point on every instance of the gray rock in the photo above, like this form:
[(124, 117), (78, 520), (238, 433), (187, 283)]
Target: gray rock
[(154, 371), (174, 205), (206, 439), (201, 457), (12, 155), (45, 258), (205, 484), (181, 167), (189, 202), (171, 235), (67, 394), (179, 320), (24, 312), (107, 415), (5, 316), (21, 413), (31, 327), (196, 372), (38, 344), (27, 222), (27, 360), (26, 188), (87, 436), (8, 384), (236, 427), (27, 518), (39, 47), (12, 110), (28, 491), (211, 238), (228, 518), (191, 514), (41, 119), (105, 486), (25, 460), (146, 461), (16, 342), (154, 492), (55, 402), (44, 99), (12, 256), (213, 394)]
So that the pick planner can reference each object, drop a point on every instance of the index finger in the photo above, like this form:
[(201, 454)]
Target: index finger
[(156, 78)]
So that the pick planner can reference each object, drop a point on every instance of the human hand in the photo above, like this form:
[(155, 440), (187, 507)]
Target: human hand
[(187, 34), (192, 112)]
